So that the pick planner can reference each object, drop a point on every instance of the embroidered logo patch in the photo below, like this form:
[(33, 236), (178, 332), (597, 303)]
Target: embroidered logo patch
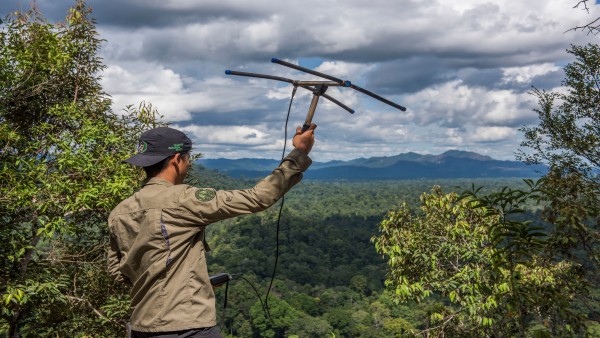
[(142, 147), (177, 147), (205, 195)]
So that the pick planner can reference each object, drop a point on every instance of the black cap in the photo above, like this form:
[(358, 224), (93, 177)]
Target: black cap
[(159, 143)]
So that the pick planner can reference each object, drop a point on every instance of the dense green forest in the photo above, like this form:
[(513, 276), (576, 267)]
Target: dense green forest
[(329, 279)]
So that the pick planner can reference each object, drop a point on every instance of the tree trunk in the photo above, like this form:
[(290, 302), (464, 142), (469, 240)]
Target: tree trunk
[(29, 252), (13, 330)]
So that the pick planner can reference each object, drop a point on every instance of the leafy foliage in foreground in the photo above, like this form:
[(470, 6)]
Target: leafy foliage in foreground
[(493, 270), (504, 274), (60, 175)]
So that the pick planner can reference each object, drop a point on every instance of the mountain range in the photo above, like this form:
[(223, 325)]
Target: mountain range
[(450, 164)]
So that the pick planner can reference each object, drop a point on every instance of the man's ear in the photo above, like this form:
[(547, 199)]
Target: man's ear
[(173, 160)]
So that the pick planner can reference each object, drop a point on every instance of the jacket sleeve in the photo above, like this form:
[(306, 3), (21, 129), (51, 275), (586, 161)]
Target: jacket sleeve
[(114, 259), (209, 205)]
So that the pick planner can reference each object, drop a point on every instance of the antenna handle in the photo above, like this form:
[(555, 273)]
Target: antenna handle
[(319, 90), (310, 113)]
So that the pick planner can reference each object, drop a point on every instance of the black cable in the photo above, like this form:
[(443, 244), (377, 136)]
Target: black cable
[(280, 209), (255, 291), (265, 305), (241, 276), (287, 119), (224, 305)]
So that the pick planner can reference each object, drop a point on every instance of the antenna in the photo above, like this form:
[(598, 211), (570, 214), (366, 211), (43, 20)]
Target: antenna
[(318, 88)]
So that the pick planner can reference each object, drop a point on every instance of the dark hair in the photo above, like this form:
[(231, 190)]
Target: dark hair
[(155, 169)]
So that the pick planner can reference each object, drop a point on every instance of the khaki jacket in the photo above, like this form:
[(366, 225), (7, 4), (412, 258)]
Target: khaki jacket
[(157, 244)]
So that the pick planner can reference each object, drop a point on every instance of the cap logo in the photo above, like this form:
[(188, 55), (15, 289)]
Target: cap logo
[(142, 147), (177, 147)]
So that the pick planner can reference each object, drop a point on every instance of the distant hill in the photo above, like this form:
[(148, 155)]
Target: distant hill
[(451, 164)]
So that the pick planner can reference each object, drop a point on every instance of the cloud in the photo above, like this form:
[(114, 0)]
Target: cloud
[(464, 32), (409, 75), (148, 79), (493, 134), (463, 68), (453, 137), (526, 74), (489, 78), (211, 100), (454, 104), (230, 135)]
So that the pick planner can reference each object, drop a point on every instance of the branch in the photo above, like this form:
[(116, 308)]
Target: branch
[(584, 3), (592, 27), (441, 325), (35, 238), (96, 311)]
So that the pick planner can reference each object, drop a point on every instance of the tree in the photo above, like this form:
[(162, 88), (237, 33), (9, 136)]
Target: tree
[(501, 269), (340, 319), (489, 268), (308, 326), (279, 322), (567, 139), (60, 175), (359, 283)]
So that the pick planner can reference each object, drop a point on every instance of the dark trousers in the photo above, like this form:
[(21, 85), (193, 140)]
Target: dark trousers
[(208, 332)]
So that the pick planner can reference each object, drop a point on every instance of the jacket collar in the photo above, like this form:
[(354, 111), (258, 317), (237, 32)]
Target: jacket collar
[(157, 181)]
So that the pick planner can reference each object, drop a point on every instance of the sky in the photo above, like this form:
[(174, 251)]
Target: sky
[(463, 69)]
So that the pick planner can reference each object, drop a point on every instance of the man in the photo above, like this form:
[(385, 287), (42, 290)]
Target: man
[(157, 235)]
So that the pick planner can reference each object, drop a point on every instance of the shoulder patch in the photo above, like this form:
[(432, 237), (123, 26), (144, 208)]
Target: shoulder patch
[(205, 195)]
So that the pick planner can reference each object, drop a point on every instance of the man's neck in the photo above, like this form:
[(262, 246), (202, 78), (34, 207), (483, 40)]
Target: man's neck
[(167, 176)]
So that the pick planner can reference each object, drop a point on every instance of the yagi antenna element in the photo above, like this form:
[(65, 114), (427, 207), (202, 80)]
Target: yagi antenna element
[(318, 88)]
